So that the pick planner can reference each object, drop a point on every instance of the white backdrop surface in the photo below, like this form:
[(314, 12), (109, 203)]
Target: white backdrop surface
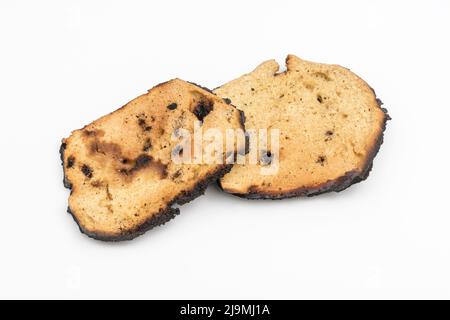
[(65, 63)]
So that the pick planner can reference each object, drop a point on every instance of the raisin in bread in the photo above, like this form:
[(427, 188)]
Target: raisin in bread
[(331, 126), (120, 167)]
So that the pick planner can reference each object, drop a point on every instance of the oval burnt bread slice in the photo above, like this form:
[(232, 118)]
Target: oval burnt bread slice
[(120, 166), (331, 127)]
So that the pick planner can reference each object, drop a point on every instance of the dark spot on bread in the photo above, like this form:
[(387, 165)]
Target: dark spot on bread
[(281, 96), (172, 106), (88, 133), (253, 89), (93, 133), (161, 168), (106, 148), (97, 184), (94, 147), (177, 174), (145, 161), (142, 161), (87, 171), (108, 193), (329, 135), (147, 145), (322, 75), (203, 108), (309, 85), (321, 160), (143, 124), (142, 121), (70, 162), (319, 98), (227, 100)]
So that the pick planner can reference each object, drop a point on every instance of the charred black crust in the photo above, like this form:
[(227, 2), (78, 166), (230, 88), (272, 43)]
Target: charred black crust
[(162, 216), (203, 108), (172, 106), (336, 185), (87, 171), (66, 182), (201, 87), (227, 100)]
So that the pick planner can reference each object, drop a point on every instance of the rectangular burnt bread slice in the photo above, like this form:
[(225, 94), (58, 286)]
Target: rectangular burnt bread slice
[(331, 127), (119, 168)]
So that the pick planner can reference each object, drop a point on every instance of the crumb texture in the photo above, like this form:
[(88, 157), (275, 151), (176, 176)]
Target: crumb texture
[(119, 167), (330, 123)]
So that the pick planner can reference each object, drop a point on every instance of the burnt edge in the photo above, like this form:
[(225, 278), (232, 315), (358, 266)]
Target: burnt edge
[(337, 185), (201, 87), (67, 184), (164, 215)]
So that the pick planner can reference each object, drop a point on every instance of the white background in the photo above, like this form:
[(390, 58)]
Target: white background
[(65, 63)]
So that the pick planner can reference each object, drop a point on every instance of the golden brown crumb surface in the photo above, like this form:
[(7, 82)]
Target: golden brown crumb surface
[(329, 121), (119, 166)]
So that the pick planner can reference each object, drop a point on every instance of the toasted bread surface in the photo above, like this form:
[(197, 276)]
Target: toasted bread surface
[(120, 170), (330, 122)]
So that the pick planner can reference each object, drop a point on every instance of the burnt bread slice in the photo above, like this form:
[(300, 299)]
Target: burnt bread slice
[(120, 168), (330, 125)]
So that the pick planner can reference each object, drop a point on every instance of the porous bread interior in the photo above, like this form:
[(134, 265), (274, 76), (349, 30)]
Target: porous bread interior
[(329, 121), (120, 165)]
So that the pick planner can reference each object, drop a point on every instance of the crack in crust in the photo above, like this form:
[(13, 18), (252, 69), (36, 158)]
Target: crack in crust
[(337, 185)]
